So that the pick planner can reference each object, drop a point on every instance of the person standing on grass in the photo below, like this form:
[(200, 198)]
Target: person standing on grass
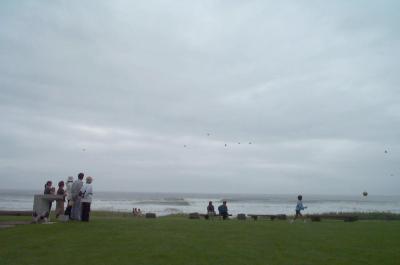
[(87, 194), (69, 196), (299, 208), (49, 190), (60, 203), (210, 209), (223, 210), (76, 199)]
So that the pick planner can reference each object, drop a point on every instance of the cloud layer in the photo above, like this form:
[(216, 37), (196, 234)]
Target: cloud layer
[(145, 96)]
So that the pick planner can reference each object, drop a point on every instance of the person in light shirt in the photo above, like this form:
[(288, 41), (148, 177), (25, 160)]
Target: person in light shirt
[(76, 199), (86, 194), (69, 196)]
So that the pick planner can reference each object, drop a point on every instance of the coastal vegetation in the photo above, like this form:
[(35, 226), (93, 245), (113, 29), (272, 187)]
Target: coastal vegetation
[(368, 215), (118, 238)]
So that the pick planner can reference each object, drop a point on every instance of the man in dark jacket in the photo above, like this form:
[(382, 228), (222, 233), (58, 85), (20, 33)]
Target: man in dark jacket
[(223, 210)]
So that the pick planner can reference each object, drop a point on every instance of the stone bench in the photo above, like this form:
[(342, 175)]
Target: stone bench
[(194, 215), (271, 216), (150, 215), (241, 216), (206, 216)]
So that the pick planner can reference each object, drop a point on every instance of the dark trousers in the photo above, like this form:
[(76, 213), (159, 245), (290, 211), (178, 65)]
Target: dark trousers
[(85, 211), (298, 213), (50, 204), (68, 210), (224, 216)]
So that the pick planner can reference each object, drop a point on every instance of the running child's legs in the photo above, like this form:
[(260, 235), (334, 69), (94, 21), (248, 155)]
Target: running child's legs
[(298, 214)]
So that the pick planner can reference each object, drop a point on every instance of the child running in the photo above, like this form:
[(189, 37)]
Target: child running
[(299, 208)]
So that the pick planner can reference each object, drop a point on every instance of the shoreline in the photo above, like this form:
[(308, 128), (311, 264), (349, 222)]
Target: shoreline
[(361, 215), (170, 204)]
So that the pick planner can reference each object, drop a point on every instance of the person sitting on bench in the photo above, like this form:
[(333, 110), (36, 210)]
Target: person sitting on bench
[(223, 210), (210, 210)]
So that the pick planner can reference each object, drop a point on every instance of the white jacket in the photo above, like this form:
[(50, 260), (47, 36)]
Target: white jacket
[(76, 187), (69, 190), (87, 190)]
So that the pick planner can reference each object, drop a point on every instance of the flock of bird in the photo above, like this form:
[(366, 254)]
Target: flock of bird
[(365, 193), (226, 145)]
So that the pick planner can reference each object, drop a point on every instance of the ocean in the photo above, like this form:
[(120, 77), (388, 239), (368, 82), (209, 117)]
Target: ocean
[(174, 203)]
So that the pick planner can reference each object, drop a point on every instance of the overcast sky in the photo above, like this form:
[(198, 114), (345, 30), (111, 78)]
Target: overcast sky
[(128, 91)]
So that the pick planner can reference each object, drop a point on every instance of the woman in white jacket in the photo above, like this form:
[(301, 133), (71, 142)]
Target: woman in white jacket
[(86, 194), (69, 196)]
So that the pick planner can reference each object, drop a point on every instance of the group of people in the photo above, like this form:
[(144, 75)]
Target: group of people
[(136, 212), (78, 195), (223, 209), (79, 198)]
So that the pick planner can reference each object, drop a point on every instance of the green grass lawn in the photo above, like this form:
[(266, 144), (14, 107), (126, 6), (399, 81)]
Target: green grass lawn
[(177, 240)]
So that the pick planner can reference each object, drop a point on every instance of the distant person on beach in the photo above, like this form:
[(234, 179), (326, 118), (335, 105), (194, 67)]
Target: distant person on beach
[(223, 210), (210, 209), (86, 194), (60, 203), (69, 196), (299, 208), (136, 212), (76, 199)]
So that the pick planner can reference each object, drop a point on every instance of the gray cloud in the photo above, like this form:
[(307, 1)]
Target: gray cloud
[(117, 89)]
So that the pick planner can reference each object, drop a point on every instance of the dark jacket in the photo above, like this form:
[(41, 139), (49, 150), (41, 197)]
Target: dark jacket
[(222, 209)]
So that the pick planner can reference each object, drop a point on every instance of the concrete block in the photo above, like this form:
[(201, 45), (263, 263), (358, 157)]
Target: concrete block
[(241, 216), (150, 215)]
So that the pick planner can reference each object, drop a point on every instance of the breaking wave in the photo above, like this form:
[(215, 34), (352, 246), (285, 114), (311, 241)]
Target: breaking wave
[(166, 201)]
